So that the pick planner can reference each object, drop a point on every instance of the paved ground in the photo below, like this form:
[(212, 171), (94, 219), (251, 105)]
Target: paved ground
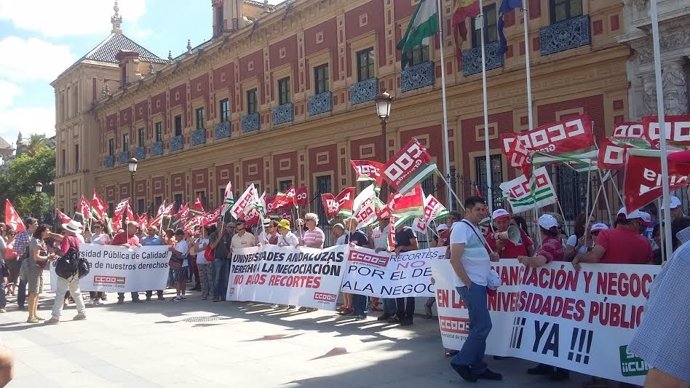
[(205, 344)]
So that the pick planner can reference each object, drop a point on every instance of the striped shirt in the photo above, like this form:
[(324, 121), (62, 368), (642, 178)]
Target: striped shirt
[(314, 238), (21, 241)]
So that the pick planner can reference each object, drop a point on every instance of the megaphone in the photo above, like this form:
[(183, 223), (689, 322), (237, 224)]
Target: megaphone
[(512, 234)]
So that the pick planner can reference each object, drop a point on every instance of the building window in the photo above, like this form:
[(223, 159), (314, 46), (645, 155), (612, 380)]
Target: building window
[(490, 28), (496, 162), (111, 147), (284, 186), (202, 197), (251, 101), (157, 202), (140, 137), (224, 110), (158, 129), (564, 9), (64, 162), (76, 157), (141, 206), (178, 201), (365, 64), (420, 54), (323, 185), (321, 79), (125, 142), (178, 125), (283, 90), (200, 118)]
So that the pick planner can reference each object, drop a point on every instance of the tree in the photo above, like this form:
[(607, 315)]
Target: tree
[(19, 181), (36, 143)]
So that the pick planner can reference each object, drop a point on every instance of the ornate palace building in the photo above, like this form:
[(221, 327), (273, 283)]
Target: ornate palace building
[(284, 95)]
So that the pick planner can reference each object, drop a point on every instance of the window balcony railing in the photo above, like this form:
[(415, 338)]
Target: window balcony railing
[(109, 161), (140, 153), (472, 59), (282, 114), (176, 143), (157, 148), (250, 122), (320, 103), (222, 130), (417, 76), (565, 35), (199, 136), (123, 157), (364, 91)]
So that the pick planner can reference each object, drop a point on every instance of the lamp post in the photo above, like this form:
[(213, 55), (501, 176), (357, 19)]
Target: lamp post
[(383, 110), (38, 189), (132, 165)]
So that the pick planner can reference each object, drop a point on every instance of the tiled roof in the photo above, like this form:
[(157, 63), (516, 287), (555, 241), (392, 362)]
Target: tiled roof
[(4, 145), (106, 50)]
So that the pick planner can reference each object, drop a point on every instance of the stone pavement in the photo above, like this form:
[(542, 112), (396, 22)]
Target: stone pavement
[(228, 344)]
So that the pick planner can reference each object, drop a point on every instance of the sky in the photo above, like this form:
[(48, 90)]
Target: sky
[(39, 39)]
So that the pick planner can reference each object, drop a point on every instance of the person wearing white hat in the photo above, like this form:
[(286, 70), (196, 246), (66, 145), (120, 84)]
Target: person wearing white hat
[(68, 241), (621, 245), (499, 240), (676, 208)]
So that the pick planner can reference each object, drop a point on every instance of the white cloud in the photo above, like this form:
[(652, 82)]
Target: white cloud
[(27, 120), (33, 59), (54, 18), (8, 91)]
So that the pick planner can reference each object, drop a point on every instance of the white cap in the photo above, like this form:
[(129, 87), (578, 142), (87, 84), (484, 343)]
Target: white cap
[(635, 214), (646, 217), (675, 202), (599, 226), (441, 227), (499, 213), (547, 221)]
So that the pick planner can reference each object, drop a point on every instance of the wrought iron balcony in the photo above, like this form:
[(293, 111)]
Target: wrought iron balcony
[(364, 91), (109, 161), (123, 157), (222, 130), (282, 114), (250, 122), (417, 76), (565, 35), (176, 143), (157, 148), (320, 103), (472, 59), (199, 136), (140, 153)]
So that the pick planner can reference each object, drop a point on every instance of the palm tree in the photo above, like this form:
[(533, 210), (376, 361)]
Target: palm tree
[(36, 143)]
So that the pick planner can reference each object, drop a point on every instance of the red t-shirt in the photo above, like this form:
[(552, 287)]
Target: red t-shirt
[(511, 251), (624, 246), (121, 239), (551, 248), (68, 241)]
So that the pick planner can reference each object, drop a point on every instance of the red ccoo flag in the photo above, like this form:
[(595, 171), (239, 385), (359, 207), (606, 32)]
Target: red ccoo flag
[(12, 218)]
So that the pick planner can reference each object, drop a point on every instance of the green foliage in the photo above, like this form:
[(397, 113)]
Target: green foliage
[(18, 181)]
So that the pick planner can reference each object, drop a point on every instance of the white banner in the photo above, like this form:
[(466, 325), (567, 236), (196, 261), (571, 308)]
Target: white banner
[(121, 269), (387, 275), (582, 321), (284, 275)]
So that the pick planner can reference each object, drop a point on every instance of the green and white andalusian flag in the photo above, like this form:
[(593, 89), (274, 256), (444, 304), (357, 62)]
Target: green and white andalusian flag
[(424, 23), (524, 194)]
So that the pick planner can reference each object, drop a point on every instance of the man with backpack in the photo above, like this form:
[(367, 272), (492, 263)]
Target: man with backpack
[(69, 250)]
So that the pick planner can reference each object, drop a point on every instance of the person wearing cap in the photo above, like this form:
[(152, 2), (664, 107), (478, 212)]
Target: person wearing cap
[(286, 238), (620, 245), (69, 240), (551, 249), (266, 230), (471, 264), (220, 244), (581, 240), (127, 238), (180, 251), (499, 242), (676, 208), (338, 234), (441, 236), (313, 236)]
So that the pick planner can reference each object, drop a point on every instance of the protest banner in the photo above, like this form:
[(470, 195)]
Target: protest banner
[(409, 166), (528, 193), (579, 320), (121, 269), (387, 275), (285, 275)]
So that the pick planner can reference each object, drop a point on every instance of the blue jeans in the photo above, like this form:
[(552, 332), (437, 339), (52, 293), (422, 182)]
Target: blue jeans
[(389, 307), (359, 304), (221, 273), (3, 300), (472, 352)]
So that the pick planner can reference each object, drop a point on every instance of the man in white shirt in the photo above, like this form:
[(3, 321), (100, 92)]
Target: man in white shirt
[(242, 238), (471, 262)]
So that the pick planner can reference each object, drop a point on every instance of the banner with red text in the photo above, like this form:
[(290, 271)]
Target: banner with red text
[(387, 275), (368, 170), (578, 320), (643, 179), (284, 275)]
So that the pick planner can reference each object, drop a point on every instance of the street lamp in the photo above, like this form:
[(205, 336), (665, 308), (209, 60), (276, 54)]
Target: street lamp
[(39, 187), (132, 165), (383, 110)]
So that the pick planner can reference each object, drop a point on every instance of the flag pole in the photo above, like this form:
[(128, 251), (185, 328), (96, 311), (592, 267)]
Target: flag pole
[(662, 128), (528, 75), (487, 155), (446, 152)]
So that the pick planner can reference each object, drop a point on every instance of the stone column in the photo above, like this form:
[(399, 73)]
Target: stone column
[(675, 81)]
